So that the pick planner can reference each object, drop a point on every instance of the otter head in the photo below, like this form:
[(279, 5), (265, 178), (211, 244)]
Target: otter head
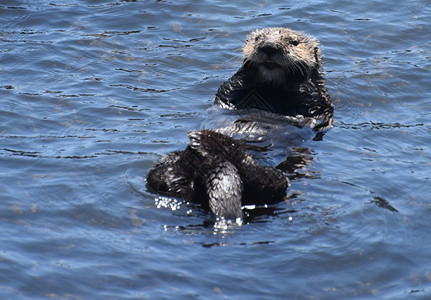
[(279, 54)]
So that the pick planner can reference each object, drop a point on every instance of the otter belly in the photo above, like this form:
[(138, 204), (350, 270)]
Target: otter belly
[(281, 132)]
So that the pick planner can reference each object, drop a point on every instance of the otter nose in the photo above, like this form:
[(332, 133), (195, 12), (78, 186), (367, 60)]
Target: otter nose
[(269, 49)]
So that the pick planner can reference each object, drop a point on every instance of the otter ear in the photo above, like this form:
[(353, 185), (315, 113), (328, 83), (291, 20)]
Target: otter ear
[(317, 55)]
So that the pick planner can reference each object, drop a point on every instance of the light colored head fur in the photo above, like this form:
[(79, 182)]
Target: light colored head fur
[(281, 52)]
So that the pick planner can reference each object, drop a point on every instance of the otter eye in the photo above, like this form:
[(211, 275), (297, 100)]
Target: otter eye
[(256, 38), (294, 43)]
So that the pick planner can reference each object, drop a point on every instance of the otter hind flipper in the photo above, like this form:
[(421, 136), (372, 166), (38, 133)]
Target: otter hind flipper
[(224, 189), (221, 178), (167, 177)]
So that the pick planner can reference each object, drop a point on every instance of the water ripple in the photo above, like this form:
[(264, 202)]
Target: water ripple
[(93, 93)]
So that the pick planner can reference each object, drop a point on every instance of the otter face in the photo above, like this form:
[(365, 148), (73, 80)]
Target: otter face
[(281, 52)]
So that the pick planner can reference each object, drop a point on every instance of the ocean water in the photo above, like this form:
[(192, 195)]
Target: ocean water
[(93, 93)]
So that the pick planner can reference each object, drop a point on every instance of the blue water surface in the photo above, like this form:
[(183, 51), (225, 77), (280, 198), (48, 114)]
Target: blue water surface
[(93, 93)]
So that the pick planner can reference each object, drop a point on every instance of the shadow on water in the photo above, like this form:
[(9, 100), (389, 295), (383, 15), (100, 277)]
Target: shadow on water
[(381, 202)]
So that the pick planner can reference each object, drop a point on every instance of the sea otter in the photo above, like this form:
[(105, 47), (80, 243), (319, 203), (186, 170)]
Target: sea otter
[(281, 74)]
